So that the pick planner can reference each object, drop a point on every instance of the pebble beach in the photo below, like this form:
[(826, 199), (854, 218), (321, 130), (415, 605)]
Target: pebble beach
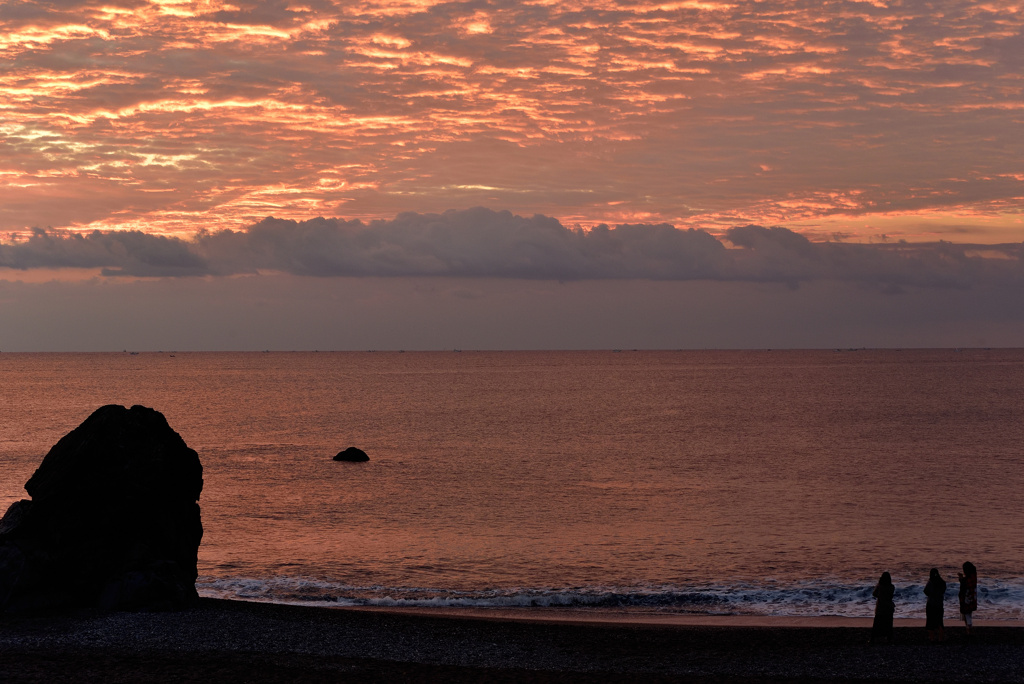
[(236, 641)]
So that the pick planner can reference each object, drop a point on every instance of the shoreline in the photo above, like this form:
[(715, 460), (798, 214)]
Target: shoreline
[(235, 641), (651, 618)]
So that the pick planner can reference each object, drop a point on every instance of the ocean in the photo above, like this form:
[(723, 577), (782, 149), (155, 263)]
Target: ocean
[(776, 483)]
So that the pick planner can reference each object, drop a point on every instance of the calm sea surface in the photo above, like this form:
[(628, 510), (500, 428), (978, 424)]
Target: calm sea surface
[(775, 483)]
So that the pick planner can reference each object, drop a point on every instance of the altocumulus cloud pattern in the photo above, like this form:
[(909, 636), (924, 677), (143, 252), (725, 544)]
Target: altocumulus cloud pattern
[(167, 115), (498, 244)]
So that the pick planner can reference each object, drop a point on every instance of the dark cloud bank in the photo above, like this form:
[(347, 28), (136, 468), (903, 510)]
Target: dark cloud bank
[(484, 243)]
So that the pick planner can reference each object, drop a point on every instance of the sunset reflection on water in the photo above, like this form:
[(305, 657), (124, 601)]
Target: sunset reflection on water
[(503, 470)]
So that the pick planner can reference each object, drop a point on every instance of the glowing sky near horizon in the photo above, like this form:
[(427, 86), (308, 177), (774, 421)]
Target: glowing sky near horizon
[(855, 119)]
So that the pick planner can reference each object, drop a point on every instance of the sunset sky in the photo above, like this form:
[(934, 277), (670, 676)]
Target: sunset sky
[(420, 174)]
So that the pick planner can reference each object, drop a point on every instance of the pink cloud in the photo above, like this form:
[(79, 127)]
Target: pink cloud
[(168, 117)]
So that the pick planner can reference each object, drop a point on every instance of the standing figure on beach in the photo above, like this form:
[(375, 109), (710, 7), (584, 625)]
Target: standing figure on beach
[(968, 595), (881, 628), (935, 590)]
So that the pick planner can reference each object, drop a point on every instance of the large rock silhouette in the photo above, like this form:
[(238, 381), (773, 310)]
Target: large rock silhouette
[(113, 522)]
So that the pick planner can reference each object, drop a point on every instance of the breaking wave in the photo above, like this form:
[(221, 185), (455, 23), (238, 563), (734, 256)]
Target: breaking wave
[(998, 599)]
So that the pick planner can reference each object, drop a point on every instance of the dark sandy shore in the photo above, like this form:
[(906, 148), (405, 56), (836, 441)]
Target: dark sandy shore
[(228, 641)]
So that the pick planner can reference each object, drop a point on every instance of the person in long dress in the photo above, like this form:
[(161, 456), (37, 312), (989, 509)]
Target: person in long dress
[(881, 628), (935, 590), (968, 595)]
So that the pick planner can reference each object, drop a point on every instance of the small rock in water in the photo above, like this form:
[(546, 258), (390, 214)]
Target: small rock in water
[(352, 455), (113, 522)]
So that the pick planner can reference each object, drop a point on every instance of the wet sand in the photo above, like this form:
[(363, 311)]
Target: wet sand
[(232, 641)]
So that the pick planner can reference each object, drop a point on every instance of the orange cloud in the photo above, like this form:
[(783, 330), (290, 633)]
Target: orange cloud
[(176, 115)]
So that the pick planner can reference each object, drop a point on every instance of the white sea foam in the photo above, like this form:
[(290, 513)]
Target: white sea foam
[(998, 599)]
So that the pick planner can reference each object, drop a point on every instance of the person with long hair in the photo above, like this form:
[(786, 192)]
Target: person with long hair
[(885, 607), (935, 590), (968, 595)]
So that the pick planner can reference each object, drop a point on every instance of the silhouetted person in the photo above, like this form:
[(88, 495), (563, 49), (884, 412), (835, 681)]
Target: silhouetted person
[(968, 595), (881, 628), (935, 590)]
